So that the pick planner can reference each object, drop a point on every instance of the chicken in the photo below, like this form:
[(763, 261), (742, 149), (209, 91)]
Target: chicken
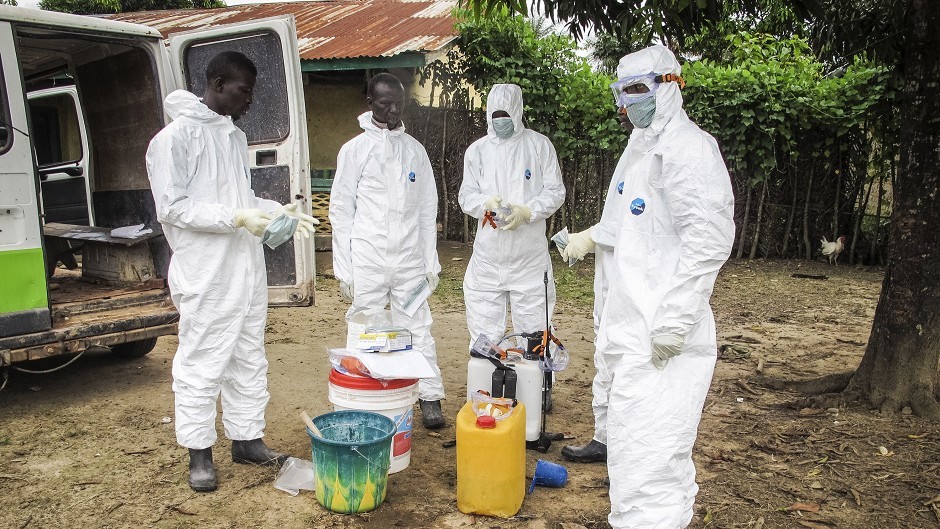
[(832, 249)]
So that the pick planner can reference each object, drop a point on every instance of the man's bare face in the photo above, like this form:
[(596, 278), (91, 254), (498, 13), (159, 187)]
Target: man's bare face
[(235, 94), (387, 104)]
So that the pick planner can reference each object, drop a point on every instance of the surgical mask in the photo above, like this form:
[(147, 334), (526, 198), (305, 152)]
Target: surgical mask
[(279, 231), (641, 114), (504, 127)]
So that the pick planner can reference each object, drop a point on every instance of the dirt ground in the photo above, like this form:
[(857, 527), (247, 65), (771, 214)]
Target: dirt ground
[(93, 446)]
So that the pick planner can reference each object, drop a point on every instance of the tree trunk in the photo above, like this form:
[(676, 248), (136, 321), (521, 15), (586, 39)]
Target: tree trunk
[(602, 184), (877, 234), (747, 214), (857, 224), (809, 193), (790, 217), (760, 218), (443, 178), (900, 364), (835, 207), (859, 203)]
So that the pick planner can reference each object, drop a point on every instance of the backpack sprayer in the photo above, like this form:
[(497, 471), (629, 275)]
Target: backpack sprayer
[(526, 377)]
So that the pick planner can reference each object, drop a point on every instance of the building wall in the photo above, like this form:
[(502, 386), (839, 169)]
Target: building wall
[(332, 107), (334, 100)]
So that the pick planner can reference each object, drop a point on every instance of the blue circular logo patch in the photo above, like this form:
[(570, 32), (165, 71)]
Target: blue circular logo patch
[(638, 206), (528, 174), (411, 176), (620, 188)]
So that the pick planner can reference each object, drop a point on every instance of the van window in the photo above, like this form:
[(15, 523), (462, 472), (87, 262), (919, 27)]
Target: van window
[(268, 119), (56, 130), (6, 129)]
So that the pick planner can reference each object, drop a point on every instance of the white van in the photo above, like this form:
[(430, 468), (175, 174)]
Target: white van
[(63, 188)]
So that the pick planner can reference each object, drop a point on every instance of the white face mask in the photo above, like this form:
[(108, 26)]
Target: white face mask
[(504, 127)]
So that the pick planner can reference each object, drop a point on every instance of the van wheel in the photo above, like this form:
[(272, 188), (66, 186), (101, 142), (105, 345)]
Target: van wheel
[(134, 349)]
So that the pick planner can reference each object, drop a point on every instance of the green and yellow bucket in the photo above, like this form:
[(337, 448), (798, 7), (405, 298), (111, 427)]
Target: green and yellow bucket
[(352, 459)]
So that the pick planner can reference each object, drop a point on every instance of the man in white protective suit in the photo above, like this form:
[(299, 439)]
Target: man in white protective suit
[(515, 170), (657, 330), (201, 182), (383, 209)]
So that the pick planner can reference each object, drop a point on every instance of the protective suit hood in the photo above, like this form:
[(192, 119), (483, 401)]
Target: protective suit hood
[(659, 60), (185, 104), (507, 97)]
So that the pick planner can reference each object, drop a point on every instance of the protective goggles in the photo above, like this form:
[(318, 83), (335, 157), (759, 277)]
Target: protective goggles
[(651, 81)]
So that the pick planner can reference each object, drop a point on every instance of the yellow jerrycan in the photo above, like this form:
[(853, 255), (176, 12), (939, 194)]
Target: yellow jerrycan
[(490, 462)]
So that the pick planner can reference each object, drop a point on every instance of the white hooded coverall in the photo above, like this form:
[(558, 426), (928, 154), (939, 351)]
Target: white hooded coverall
[(676, 232), (199, 174), (383, 210), (509, 266)]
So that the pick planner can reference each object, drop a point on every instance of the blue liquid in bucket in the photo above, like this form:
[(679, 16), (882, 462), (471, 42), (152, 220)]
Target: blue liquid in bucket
[(352, 459)]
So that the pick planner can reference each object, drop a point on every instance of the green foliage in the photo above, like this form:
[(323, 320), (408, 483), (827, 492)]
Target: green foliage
[(98, 7), (608, 48), (564, 99), (772, 104), (8, 2)]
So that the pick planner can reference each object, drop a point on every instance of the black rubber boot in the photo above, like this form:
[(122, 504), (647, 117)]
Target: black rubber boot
[(431, 414), (593, 452), (202, 476), (256, 452)]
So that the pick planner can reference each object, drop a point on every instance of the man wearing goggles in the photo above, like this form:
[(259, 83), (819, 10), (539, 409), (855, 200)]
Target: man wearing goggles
[(673, 231)]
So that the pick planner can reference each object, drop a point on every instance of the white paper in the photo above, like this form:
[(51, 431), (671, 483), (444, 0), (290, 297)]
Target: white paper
[(87, 236), (400, 364), (130, 232)]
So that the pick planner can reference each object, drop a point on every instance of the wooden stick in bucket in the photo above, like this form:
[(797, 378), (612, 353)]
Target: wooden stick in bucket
[(313, 427)]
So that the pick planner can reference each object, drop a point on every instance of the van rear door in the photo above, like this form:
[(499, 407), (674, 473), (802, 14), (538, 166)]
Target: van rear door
[(24, 295), (276, 129)]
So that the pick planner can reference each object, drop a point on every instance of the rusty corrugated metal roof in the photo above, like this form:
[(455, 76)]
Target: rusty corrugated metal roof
[(329, 29)]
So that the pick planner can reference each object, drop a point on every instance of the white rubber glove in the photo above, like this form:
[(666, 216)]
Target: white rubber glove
[(492, 203), (665, 347), (519, 216), (433, 280), (579, 245), (306, 225), (253, 220), (346, 290)]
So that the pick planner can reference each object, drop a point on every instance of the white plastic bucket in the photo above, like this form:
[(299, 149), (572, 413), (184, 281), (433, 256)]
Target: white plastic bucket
[(395, 400)]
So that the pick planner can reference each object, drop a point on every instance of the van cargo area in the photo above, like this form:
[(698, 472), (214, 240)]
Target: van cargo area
[(102, 291), (88, 313)]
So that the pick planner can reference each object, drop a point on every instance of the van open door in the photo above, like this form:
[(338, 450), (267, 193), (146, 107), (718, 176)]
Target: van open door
[(61, 143), (276, 129), (24, 294)]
